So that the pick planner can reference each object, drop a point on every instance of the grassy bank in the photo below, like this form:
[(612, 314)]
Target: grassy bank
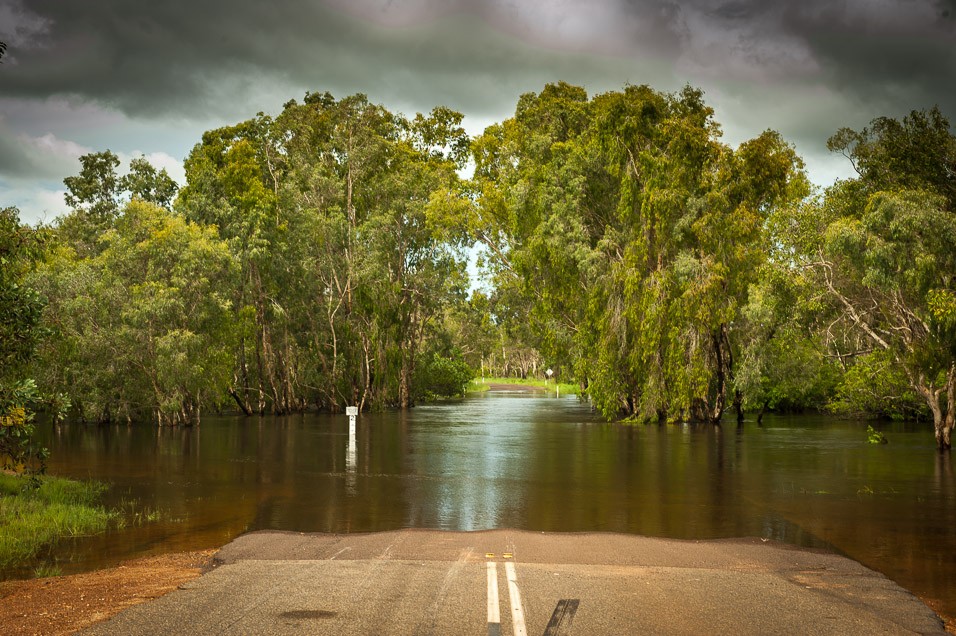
[(479, 385), (34, 517)]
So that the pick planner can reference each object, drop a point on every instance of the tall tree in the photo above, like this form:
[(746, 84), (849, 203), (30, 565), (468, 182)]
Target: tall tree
[(20, 332), (142, 329), (634, 235), (883, 247), (343, 271), (97, 195)]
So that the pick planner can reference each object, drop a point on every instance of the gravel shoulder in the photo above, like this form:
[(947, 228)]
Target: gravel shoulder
[(66, 604)]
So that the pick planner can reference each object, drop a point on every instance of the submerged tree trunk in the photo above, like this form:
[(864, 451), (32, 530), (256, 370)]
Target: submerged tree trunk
[(943, 419), (944, 441), (243, 406), (404, 390), (739, 406), (721, 365)]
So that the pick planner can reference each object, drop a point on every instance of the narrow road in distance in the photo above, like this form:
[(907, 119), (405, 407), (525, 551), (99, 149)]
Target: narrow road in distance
[(511, 583)]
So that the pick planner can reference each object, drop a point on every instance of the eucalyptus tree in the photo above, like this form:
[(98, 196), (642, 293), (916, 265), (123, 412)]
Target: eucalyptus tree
[(365, 178), (783, 362), (634, 234), (98, 193), (343, 271), (142, 329), (229, 186), (882, 247)]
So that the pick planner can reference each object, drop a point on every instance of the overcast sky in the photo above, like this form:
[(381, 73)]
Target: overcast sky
[(148, 77)]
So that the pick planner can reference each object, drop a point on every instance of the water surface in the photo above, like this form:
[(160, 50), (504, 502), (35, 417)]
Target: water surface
[(530, 462)]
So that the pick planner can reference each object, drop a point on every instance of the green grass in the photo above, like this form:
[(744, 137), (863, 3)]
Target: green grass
[(477, 386), (132, 514), (45, 570), (32, 518)]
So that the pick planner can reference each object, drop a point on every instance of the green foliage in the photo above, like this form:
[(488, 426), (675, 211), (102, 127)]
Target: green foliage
[(626, 237), (20, 332), (782, 364), (442, 376), (98, 195), (550, 386), (874, 436), (875, 387), (882, 252), (96, 189), (347, 264), (471, 327), (47, 570), (145, 183), (917, 152), (142, 328), (318, 258)]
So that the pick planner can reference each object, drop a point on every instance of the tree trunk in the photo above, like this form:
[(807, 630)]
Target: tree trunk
[(950, 419), (243, 406), (932, 397), (739, 406), (404, 398), (720, 399)]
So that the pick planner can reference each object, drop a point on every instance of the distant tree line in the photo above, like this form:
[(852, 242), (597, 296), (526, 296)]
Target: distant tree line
[(318, 258)]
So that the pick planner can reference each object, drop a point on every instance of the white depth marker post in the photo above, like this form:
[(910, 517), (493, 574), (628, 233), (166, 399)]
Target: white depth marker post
[(352, 412)]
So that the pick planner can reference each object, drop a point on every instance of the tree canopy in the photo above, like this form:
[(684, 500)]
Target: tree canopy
[(635, 235), (317, 259), (880, 248), (21, 308)]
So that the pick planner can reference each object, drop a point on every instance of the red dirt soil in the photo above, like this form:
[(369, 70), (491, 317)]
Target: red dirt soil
[(66, 604)]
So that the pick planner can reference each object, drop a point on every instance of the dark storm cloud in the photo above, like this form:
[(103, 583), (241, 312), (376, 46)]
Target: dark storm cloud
[(14, 161), (199, 58), (898, 55), (24, 157), (805, 68)]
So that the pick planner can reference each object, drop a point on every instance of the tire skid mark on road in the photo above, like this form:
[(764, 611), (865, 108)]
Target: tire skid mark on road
[(453, 572), (562, 618), (345, 549)]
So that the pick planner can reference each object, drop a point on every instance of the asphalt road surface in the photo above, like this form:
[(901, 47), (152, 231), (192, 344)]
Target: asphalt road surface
[(504, 582)]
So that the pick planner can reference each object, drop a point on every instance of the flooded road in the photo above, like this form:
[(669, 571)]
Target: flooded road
[(525, 461)]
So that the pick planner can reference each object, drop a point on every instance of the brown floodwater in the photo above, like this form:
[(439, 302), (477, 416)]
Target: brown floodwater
[(525, 461)]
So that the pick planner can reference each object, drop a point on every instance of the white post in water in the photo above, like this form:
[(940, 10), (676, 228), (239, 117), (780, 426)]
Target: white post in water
[(352, 412)]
